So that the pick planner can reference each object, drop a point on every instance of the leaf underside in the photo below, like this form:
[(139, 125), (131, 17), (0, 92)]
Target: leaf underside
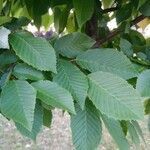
[(54, 95), (86, 127), (35, 51), (108, 60), (71, 78), (114, 97), (19, 104)]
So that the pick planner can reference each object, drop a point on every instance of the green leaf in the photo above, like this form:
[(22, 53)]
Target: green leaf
[(86, 127), (141, 56), (116, 132), (145, 8), (6, 8), (107, 3), (71, 23), (1, 5), (58, 2), (17, 23), (4, 38), (18, 102), (37, 124), (47, 20), (23, 71), (108, 60), (133, 134), (143, 83), (54, 95), (141, 2), (35, 51), (47, 117), (18, 9), (61, 13), (5, 77), (71, 78), (4, 19), (7, 58), (37, 9), (137, 39), (124, 12), (83, 15), (114, 97), (126, 47), (47, 107), (147, 106), (73, 44)]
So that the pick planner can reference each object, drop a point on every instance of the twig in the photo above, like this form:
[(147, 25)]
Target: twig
[(111, 35), (110, 9), (137, 20)]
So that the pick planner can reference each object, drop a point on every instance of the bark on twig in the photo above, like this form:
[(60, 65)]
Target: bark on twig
[(111, 35)]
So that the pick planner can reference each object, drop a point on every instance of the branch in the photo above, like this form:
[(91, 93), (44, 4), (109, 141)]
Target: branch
[(137, 20), (111, 35), (110, 9)]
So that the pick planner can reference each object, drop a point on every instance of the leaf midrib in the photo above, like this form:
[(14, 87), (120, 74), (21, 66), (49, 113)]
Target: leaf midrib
[(72, 89), (21, 102), (102, 64), (21, 38), (50, 96), (112, 95)]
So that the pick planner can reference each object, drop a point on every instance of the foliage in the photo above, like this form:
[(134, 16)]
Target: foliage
[(94, 73)]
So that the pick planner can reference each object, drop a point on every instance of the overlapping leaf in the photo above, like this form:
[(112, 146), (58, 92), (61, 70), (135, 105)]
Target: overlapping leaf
[(124, 12), (18, 102), (7, 58), (108, 60), (143, 83), (73, 44), (24, 71), (116, 132), (5, 19), (126, 47), (17, 23), (47, 117), (5, 77), (114, 97), (37, 124), (86, 127), (138, 130), (61, 13), (36, 10), (54, 95), (1, 5), (145, 8), (36, 52), (133, 133), (147, 106), (84, 10), (71, 78)]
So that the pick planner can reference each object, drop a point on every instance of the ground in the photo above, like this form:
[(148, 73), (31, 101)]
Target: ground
[(56, 138)]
